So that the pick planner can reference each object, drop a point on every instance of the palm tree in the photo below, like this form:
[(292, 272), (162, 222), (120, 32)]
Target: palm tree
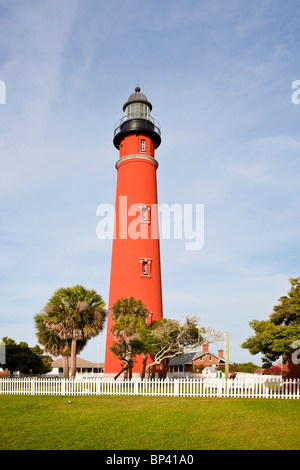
[(53, 344), (129, 317), (76, 314)]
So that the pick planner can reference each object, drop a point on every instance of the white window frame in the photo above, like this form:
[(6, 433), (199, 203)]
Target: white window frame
[(146, 262), (143, 145)]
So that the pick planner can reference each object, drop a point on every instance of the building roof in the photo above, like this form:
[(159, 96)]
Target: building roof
[(81, 363), (189, 358), (137, 97), (183, 359)]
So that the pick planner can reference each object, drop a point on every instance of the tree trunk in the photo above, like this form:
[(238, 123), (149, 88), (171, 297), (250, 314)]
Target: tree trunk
[(150, 370), (65, 366), (122, 370), (161, 371), (145, 357), (73, 358), (130, 363)]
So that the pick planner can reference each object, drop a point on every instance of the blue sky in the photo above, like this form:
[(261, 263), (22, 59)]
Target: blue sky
[(219, 76)]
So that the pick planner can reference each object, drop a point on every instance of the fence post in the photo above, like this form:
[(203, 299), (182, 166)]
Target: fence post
[(176, 387), (97, 386), (136, 386), (32, 386), (63, 388)]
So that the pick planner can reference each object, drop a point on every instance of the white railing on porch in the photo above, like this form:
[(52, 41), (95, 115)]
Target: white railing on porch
[(246, 388)]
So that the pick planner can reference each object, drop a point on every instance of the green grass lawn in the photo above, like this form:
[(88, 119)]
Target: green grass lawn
[(147, 423)]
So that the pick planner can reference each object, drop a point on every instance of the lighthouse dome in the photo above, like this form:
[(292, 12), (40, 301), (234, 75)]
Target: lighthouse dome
[(137, 97)]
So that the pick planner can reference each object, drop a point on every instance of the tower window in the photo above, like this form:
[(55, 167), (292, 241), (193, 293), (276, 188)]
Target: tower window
[(146, 267), (143, 145)]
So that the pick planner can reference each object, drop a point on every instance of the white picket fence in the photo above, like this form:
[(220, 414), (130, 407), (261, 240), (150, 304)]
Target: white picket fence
[(255, 387)]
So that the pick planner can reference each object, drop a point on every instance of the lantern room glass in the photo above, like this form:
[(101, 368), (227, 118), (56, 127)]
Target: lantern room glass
[(137, 111)]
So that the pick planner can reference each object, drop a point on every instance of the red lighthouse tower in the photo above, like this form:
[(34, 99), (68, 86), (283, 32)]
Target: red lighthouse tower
[(135, 262)]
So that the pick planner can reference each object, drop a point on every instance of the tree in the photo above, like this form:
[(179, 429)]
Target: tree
[(53, 344), (275, 337), (246, 367), (76, 314), (129, 317), (168, 338), (46, 359), (20, 357)]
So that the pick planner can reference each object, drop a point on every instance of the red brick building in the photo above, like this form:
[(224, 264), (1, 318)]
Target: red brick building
[(187, 363)]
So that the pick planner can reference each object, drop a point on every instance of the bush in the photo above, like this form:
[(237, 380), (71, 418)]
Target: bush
[(274, 370)]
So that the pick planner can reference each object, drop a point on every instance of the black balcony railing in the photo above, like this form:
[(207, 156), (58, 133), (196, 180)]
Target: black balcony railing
[(119, 124), (128, 125)]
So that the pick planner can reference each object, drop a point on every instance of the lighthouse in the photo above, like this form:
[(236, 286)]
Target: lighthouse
[(135, 260)]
